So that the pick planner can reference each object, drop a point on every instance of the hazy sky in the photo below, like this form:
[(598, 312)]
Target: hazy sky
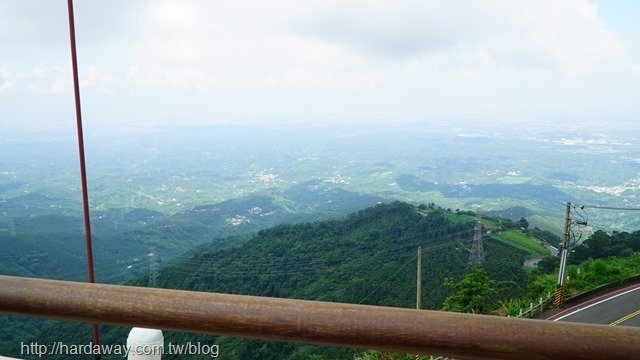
[(268, 61)]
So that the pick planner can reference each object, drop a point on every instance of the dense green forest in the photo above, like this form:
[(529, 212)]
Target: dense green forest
[(36, 242), (387, 235), (368, 257), (600, 259), (602, 245)]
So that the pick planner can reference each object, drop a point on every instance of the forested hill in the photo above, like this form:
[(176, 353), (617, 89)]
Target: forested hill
[(369, 257), (335, 260), (40, 242)]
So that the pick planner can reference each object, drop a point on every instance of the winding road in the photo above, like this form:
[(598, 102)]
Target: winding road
[(620, 307)]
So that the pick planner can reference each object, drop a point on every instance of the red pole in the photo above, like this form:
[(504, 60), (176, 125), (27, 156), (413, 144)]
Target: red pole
[(83, 169)]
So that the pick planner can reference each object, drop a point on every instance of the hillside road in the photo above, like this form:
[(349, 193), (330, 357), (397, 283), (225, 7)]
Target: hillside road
[(620, 307)]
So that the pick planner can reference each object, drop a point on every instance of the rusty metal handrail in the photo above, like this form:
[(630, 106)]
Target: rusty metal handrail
[(361, 326)]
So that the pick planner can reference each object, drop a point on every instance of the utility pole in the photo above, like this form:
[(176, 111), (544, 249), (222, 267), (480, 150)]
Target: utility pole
[(558, 300), (419, 279)]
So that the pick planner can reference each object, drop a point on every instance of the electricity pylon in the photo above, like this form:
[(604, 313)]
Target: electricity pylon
[(476, 253)]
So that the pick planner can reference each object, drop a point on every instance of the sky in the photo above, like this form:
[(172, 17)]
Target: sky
[(191, 62)]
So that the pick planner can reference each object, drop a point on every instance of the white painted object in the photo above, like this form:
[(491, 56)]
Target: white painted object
[(145, 344)]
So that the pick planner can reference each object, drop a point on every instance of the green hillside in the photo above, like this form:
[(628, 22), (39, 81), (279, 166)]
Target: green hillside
[(520, 240), (510, 235), (369, 257), (52, 245)]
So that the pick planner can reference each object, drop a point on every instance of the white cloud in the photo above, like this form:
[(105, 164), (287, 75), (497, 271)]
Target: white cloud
[(249, 43), (174, 78), (335, 57), (43, 79), (567, 34), (94, 78), (7, 78), (40, 79), (246, 44), (571, 35)]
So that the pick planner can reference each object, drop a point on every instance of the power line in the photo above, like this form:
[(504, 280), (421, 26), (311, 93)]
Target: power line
[(389, 278), (297, 265), (304, 263), (364, 245), (285, 269), (194, 262), (607, 207)]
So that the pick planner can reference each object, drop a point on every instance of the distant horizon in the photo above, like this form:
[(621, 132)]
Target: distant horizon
[(472, 123)]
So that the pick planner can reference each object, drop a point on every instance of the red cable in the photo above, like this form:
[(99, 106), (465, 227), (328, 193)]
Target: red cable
[(83, 169)]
